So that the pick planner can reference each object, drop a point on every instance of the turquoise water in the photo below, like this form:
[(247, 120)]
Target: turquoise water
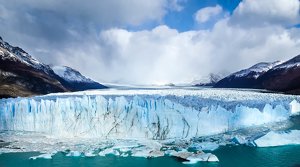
[(235, 156)]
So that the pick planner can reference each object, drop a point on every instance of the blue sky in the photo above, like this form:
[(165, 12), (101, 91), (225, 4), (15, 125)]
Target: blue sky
[(184, 20), (157, 41)]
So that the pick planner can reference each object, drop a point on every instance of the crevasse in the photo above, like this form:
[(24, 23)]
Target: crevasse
[(137, 118)]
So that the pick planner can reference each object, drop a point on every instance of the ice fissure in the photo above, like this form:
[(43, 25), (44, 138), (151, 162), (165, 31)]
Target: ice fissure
[(139, 117)]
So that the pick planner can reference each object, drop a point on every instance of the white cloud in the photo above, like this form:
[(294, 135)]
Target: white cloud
[(263, 12), (205, 14), (165, 55), (159, 55)]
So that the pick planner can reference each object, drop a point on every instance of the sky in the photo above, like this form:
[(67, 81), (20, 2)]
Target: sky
[(152, 42)]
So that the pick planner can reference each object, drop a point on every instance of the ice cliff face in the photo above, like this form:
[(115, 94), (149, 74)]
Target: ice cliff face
[(144, 118)]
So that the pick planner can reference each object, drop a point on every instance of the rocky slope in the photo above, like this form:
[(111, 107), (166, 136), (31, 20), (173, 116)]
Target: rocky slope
[(18, 78), (22, 75)]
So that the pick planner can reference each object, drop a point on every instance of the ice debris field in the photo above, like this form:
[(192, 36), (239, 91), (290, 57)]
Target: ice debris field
[(145, 123)]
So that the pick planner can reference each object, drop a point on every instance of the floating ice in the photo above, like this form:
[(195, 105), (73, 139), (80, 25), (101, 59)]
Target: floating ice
[(275, 138), (45, 156), (170, 152), (89, 154), (205, 146), (194, 158), (124, 155), (239, 139), (125, 149), (109, 151), (141, 152), (213, 158), (74, 154), (199, 157)]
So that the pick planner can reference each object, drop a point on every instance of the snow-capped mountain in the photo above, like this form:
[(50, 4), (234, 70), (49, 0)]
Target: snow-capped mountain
[(23, 75), (246, 78), (209, 80), (75, 78), (18, 54), (292, 63), (284, 77), (256, 70), (277, 76), (70, 74)]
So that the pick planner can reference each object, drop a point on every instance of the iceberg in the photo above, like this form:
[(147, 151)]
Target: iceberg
[(238, 139), (194, 158), (145, 115), (271, 138), (44, 156)]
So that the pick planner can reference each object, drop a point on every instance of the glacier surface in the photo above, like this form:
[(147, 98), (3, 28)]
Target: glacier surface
[(145, 114)]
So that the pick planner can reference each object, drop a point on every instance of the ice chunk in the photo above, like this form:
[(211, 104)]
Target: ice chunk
[(89, 154), (124, 155), (205, 146), (190, 162), (275, 138), (183, 155), (199, 157), (141, 152), (194, 158), (45, 156), (156, 153), (213, 158), (74, 153), (170, 152), (239, 139), (109, 151)]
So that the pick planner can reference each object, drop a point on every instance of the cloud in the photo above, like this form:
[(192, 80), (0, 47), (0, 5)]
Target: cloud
[(165, 55), (251, 13), (107, 13), (97, 44), (205, 14)]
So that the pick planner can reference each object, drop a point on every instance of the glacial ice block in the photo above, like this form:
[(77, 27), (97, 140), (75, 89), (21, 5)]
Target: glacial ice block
[(138, 117), (45, 156), (275, 138)]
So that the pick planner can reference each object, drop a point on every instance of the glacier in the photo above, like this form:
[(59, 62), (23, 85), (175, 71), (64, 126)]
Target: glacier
[(147, 114)]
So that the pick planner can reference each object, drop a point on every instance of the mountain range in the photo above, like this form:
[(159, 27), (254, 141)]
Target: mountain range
[(22, 75), (277, 76)]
